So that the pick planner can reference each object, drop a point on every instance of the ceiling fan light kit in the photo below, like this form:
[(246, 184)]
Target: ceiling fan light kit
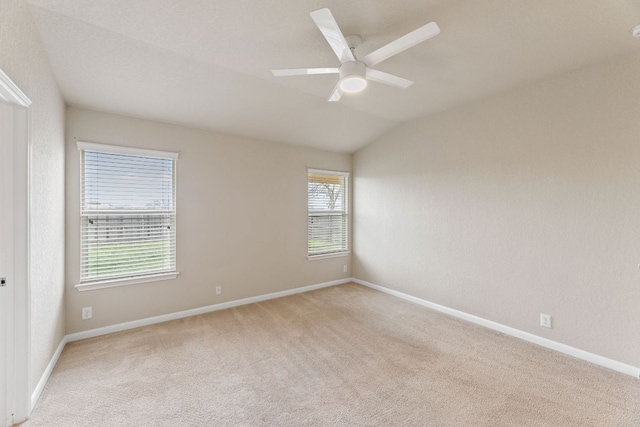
[(355, 73), (353, 76)]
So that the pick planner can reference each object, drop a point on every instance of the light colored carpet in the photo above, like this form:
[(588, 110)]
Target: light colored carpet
[(340, 356)]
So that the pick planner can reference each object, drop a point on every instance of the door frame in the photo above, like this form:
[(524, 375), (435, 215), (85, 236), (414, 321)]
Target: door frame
[(18, 346)]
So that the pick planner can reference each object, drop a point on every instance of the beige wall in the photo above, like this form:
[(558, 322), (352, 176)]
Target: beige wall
[(23, 59), (525, 203), (241, 219)]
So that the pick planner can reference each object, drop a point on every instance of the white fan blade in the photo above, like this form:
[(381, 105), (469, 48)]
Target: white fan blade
[(303, 71), (388, 79), (336, 94), (403, 43), (330, 30)]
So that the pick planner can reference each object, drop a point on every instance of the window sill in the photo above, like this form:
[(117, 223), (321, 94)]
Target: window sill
[(112, 283), (331, 255)]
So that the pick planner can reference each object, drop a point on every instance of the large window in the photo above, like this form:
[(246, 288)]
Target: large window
[(328, 219), (128, 213)]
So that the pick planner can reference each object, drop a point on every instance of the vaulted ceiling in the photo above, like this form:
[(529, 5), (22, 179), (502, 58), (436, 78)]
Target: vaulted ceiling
[(206, 63)]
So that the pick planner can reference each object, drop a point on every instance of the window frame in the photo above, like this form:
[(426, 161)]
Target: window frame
[(346, 213), (108, 282)]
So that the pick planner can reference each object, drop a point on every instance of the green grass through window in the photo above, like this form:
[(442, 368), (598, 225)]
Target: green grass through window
[(115, 259)]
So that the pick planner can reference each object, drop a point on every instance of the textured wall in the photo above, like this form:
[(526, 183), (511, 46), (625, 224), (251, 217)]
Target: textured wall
[(242, 219), (23, 59), (521, 204)]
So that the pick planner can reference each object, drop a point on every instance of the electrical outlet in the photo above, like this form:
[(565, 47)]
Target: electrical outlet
[(545, 320), (218, 290), (344, 268), (87, 313)]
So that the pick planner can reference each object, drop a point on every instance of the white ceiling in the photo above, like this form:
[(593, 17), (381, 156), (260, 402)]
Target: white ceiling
[(206, 63)]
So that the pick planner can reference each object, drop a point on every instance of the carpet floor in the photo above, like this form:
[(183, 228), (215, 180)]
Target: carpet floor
[(340, 356)]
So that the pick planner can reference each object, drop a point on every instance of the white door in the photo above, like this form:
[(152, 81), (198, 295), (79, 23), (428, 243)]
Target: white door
[(14, 253), (6, 258)]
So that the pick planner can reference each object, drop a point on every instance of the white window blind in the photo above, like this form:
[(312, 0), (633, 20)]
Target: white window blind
[(327, 212), (128, 210)]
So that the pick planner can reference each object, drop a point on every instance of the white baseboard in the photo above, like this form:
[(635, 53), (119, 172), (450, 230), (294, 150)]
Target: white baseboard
[(35, 396), (195, 311), (544, 342)]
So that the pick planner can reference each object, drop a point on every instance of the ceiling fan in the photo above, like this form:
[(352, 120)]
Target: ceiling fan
[(354, 72)]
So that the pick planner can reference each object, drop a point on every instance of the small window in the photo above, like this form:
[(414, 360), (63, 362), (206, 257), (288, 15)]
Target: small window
[(128, 212), (328, 219)]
